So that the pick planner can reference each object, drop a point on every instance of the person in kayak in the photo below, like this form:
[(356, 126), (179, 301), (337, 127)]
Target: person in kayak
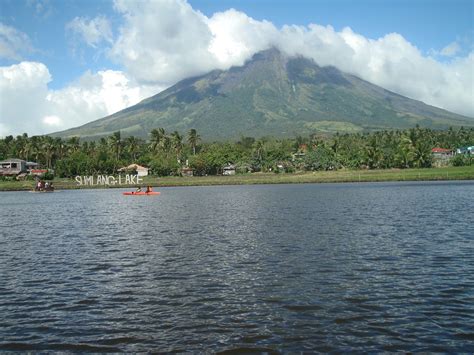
[(149, 189), (139, 189)]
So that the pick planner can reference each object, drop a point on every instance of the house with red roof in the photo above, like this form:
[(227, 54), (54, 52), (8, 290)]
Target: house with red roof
[(442, 153), (441, 156)]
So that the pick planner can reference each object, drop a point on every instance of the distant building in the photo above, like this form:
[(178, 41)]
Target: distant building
[(20, 168), (228, 169), (465, 150), (441, 156), (13, 167), (187, 171), (35, 169), (140, 170), (442, 153)]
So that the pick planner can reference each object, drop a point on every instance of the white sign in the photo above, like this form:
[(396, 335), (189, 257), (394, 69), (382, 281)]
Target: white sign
[(108, 180)]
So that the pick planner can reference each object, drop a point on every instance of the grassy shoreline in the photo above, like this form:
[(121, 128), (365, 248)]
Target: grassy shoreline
[(340, 176)]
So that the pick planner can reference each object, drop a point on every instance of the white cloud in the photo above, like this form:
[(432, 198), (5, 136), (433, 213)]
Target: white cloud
[(13, 43), (163, 41), (91, 97), (23, 89), (93, 31), (52, 121), (451, 49), (236, 37)]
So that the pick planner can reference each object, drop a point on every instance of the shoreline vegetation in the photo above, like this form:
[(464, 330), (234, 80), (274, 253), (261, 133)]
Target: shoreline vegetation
[(338, 176), (173, 159)]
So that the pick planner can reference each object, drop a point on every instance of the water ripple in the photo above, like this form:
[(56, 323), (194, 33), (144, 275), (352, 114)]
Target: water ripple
[(240, 269)]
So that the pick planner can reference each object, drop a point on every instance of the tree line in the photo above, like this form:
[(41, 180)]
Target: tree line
[(167, 153)]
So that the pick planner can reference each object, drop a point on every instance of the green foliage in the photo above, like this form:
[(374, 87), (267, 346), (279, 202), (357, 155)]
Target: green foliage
[(270, 95), (78, 163), (167, 153), (320, 158), (48, 175), (164, 165), (462, 160)]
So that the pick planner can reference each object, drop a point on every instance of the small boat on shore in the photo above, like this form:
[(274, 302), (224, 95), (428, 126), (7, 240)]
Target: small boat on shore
[(141, 193)]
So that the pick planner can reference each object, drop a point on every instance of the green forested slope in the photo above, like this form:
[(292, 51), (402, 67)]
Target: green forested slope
[(271, 95)]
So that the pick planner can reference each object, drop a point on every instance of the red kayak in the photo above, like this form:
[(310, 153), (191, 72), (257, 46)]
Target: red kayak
[(141, 193)]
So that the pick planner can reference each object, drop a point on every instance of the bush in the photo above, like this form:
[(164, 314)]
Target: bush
[(48, 175), (461, 160), (165, 166)]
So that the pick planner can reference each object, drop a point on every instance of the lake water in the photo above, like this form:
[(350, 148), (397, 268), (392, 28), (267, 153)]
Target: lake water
[(277, 268)]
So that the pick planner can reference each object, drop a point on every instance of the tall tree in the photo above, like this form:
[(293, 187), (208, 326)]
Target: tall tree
[(156, 139), (48, 147), (132, 145), (193, 139), (73, 144), (177, 143), (115, 144)]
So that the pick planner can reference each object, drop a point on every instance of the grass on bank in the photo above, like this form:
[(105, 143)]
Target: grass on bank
[(446, 173)]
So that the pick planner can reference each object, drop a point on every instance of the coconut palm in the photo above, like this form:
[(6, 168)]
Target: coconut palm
[(193, 139), (48, 147), (115, 144), (132, 145), (156, 139), (73, 144), (177, 143)]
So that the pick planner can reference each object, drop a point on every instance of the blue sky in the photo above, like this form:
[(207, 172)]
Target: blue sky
[(429, 24), (79, 60)]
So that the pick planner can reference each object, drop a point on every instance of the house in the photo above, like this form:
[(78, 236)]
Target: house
[(465, 150), (35, 169), (12, 167), (187, 171), (229, 169), (141, 170), (441, 153)]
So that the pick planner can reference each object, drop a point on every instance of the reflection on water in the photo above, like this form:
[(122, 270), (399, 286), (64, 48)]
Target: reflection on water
[(333, 267)]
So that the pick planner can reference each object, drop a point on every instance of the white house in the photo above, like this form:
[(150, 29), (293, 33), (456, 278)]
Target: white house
[(141, 170)]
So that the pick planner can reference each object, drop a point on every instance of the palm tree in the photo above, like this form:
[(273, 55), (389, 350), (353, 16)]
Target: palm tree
[(177, 143), (36, 147), (258, 147), (26, 149), (422, 153), (103, 145), (92, 148), (373, 152), (404, 154), (193, 139), (61, 147), (20, 143), (49, 148), (166, 144), (73, 144), (156, 140), (132, 145), (115, 144)]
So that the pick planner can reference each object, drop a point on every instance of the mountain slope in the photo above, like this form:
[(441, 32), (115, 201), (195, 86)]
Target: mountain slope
[(271, 95)]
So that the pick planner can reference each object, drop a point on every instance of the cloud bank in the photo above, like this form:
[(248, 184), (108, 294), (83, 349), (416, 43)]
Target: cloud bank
[(29, 106), (165, 41), (160, 42)]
